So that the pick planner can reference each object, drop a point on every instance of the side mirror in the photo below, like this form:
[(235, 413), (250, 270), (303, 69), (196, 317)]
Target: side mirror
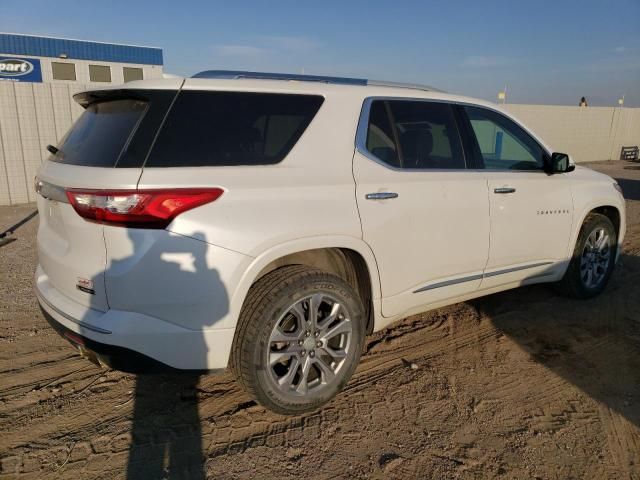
[(559, 163)]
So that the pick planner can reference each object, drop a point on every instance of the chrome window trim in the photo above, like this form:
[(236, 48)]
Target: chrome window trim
[(478, 276), (363, 127)]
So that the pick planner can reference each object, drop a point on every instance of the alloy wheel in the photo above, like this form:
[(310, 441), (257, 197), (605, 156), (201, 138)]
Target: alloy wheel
[(309, 345), (595, 259)]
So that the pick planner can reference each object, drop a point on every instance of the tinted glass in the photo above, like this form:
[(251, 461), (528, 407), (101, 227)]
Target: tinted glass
[(428, 135), (504, 145), (232, 128), (380, 140), (100, 134)]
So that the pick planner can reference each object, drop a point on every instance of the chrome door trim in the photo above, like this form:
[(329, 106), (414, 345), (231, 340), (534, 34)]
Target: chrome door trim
[(479, 276), (515, 269), (446, 283)]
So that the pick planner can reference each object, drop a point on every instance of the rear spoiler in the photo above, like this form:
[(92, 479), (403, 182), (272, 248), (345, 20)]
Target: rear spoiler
[(86, 98)]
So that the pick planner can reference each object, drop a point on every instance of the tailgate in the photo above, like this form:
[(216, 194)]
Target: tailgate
[(103, 150), (71, 250)]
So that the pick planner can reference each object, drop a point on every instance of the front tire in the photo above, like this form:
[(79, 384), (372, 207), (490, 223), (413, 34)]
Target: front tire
[(299, 339), (593, 259)]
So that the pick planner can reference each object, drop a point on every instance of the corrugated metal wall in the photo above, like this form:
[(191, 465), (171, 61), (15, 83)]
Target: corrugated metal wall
[(15, 44), (32, 115)]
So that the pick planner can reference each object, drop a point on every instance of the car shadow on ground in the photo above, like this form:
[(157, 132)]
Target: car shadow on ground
[(630, 187), (170, 275), (596, 348), (166, 433)]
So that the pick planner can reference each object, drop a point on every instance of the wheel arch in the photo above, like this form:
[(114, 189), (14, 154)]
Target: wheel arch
[(614, 212), (349, 258), (611, 212)]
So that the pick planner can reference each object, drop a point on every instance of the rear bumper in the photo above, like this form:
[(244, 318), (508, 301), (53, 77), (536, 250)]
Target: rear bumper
[(131, 341), (118, 358)]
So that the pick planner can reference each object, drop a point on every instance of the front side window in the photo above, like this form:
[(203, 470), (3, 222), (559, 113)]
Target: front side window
[(232, 128), (414, 135), (503, 144)]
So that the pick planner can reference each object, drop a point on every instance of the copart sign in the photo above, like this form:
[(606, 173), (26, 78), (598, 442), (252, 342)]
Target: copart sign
[(20, 69)]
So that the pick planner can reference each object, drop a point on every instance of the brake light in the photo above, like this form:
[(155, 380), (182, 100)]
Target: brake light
[(138, 208)]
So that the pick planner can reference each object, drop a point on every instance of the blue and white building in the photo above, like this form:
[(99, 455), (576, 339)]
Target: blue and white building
[(38, 77)]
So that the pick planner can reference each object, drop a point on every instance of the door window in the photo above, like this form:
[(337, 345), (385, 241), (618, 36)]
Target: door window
[(414, 135), (380, 136), (503, 144)]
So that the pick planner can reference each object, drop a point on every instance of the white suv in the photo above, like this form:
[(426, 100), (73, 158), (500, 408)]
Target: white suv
[(269, 222)]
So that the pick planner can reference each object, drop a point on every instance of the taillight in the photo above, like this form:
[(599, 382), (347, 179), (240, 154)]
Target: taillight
[(138, 208)]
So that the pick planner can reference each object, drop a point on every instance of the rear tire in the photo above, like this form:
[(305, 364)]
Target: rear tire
[(298, 340), (593, 259)]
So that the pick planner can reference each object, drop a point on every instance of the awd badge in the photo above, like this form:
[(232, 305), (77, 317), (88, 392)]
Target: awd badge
[(85, 285)]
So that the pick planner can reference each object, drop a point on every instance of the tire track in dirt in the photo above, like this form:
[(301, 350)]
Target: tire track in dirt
[(251, 428), (516, 385), (623, 442)]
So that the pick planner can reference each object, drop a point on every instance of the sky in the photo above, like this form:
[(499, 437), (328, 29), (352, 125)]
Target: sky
[(545, 52)]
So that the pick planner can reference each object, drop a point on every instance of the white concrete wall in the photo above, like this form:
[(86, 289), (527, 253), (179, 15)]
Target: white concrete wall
[(33, 115), (586, 133)]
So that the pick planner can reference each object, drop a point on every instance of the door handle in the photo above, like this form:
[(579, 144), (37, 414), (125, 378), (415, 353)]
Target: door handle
[(504, 190), (380, 195)]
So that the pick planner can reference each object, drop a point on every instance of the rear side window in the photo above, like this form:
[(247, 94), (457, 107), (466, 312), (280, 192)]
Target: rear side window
[(380, 136), (232, 128), (414, 135), (100, 134)]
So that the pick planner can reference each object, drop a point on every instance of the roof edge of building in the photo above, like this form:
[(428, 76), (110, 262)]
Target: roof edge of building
[(79, 40)]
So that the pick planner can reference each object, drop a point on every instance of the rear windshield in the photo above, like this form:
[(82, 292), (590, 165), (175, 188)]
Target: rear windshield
[(231, 128), (99, 136)]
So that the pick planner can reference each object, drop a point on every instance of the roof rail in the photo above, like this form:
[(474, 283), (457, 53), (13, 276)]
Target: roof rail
[(413, 86), (237, 74)]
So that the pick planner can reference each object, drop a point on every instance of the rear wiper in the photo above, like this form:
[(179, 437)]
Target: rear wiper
[(53, 150)]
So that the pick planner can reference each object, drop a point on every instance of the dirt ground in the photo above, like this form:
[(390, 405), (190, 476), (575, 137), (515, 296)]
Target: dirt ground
[(521, 384)]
